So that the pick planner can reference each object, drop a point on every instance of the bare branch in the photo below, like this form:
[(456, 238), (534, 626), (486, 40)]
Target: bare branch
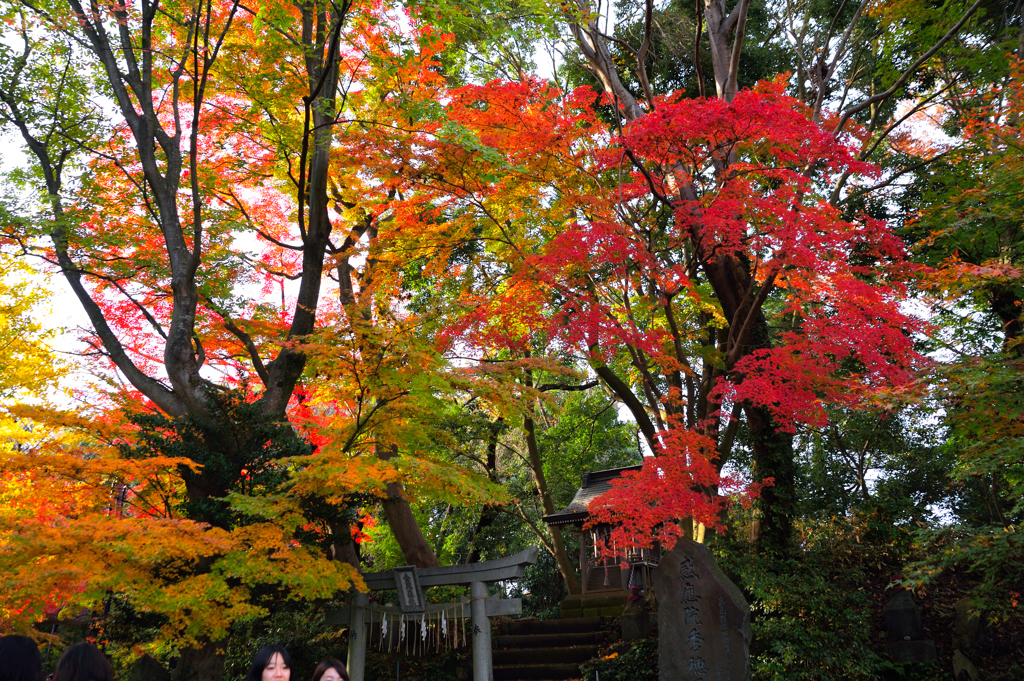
[(909, 72)]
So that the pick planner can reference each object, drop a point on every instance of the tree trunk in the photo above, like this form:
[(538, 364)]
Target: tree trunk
[(489, 513), (487, 518), (1006, 307), (397, 511), (772, 447), (201, 663), (565, 566), (415, 548), (344, 548), (772, 529)]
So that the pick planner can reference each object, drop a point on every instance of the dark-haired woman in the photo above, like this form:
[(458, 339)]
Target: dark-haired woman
[(272, 663), (330, 670), (83, 662), (19, 659)]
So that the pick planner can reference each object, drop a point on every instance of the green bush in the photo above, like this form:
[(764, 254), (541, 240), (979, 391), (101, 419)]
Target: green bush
[(812, 612), (541, 588), (991, 558), (636, 661)]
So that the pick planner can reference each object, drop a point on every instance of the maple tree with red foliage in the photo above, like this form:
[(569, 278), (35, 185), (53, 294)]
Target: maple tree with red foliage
[(620, 283), (308, 239)]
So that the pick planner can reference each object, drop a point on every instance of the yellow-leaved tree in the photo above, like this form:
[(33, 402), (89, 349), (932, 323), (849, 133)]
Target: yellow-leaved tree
[(29, 367)]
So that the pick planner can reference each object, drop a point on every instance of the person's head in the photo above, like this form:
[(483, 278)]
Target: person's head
[(19, 659), (272, 663), (83, 662), (330, 670)]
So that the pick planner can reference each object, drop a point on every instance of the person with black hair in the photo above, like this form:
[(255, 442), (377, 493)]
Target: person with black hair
[(330, 669), (272, 663), (19, 659), (83, 662)]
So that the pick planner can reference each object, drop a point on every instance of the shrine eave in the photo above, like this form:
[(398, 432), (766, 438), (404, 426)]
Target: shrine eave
[(594, 485), (566, 518)]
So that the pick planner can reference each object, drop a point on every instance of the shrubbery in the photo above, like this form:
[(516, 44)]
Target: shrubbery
[(635, 661)]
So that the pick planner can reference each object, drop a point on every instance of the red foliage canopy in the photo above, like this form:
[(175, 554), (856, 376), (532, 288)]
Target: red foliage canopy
[(621, 283)]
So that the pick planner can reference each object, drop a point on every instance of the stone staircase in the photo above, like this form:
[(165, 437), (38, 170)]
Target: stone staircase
[(545, 650), (600, 604)]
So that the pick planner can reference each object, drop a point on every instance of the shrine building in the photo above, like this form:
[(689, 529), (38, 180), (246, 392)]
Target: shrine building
[(605, 583)]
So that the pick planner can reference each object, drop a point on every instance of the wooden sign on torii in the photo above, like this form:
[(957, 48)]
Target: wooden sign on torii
[(409, 582)]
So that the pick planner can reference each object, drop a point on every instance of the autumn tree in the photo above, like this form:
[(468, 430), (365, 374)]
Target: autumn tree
[(734, 282), (970, 236), (550, 143), (29, 365), (220, 128)]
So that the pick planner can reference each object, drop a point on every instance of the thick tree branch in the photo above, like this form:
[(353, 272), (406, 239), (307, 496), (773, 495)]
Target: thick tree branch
[(150, 387), (882, 96), (622, 391), (547, 387), (240, 334)]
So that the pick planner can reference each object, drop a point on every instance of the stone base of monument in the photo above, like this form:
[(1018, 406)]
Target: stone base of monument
[(903, 624), (912, 651), (635, 621), (966, 625), (902, 617), (963, 669), (601, 604)]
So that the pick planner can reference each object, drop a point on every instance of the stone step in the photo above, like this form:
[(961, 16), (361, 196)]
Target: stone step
[(533, 656), (549, 640), (608, 604), (571, 626), (536, 672), (586, 613), (597, 600)]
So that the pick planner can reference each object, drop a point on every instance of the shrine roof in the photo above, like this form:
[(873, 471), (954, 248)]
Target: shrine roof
[(595, 484)]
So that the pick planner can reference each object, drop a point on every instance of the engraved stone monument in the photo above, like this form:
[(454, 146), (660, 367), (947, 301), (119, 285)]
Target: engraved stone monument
[(906, 635), (703, 619)]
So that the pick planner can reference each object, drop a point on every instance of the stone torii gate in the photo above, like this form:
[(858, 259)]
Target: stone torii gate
[(409, 582)]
